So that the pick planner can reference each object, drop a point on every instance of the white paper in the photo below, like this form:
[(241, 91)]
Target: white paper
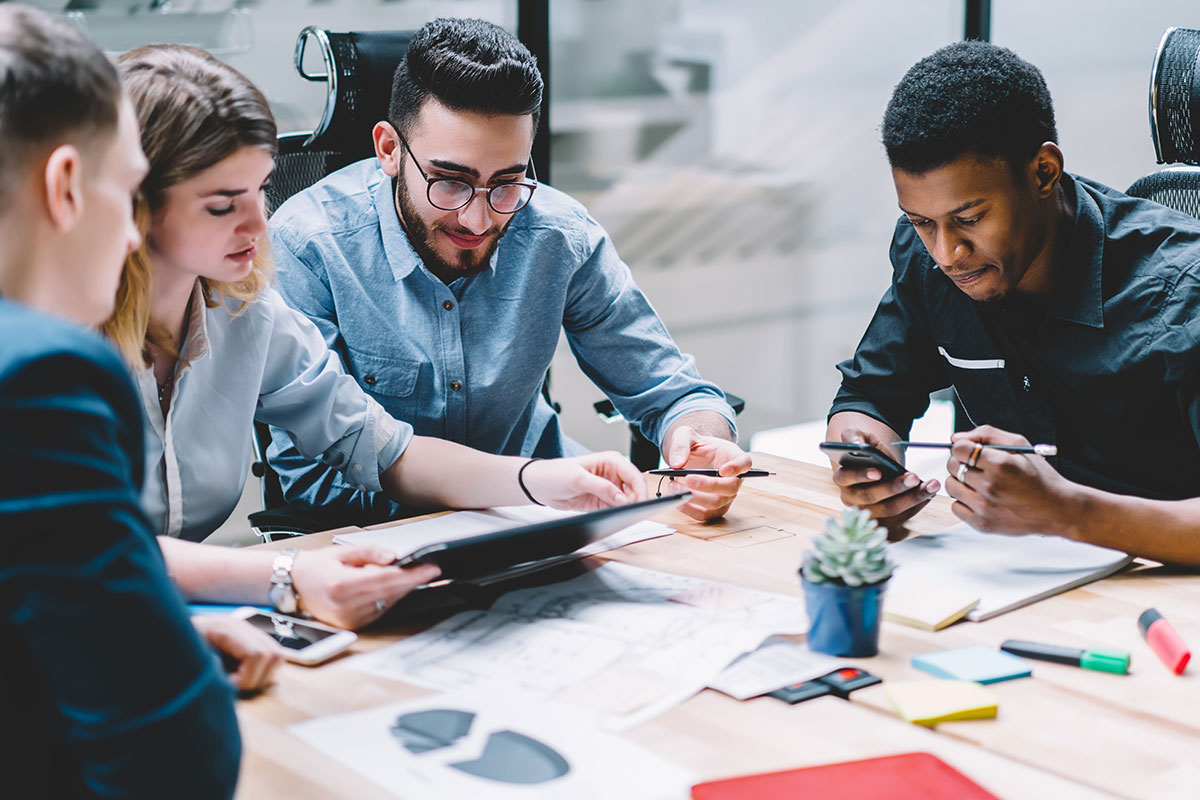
[(777, 663), (1005, 572), (379, 744), (626, 642), (403, 539)]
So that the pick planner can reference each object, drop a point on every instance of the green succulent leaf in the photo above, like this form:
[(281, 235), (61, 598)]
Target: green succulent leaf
[(852, 551)]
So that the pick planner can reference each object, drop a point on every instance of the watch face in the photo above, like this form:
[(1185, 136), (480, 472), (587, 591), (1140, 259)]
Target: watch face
[(282, 598), (282, 593)]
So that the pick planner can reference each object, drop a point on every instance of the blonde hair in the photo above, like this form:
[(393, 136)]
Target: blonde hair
[(194, 112)]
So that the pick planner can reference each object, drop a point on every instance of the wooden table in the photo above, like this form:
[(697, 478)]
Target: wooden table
[(1064, 733)]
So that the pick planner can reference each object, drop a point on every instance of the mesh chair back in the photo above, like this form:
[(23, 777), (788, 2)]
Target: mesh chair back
[(297, 168), (1175, 187), (1174, 117), (359, 66), (1175, 97)]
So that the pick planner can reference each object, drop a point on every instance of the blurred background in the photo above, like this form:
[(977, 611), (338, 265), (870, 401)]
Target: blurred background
[(730, 149)]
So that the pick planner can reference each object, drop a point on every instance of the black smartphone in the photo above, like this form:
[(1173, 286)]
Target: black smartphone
[(852, 455)]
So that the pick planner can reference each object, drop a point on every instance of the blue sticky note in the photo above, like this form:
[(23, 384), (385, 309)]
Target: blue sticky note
[(975, 663), (217, 608)]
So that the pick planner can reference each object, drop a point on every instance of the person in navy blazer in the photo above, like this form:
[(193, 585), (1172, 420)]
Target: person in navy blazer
[(108, 690)]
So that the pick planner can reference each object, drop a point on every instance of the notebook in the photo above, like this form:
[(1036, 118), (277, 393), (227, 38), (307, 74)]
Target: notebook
[(929, 702), (1005, 572), (907, 776), (918, 604)]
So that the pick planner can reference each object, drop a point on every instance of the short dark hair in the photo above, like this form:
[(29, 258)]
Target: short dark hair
[(968, 98), (467, 65), (54, 85)]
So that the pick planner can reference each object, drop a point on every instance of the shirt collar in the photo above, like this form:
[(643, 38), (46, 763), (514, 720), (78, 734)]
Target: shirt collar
[(196, 346), (1079, 296), (401, 255)]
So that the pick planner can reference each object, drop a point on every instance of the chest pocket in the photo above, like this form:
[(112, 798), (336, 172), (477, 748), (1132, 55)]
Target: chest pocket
[(983, 388), (391, 377)]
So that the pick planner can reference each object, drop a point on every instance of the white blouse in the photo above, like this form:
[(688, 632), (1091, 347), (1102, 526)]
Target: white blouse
[(266, 363)]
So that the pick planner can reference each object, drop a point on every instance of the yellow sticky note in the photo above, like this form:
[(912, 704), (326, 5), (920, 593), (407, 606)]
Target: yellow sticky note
[(929, 702)]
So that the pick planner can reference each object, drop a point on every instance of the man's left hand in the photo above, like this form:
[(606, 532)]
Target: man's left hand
[(711, 497), (1002, 492)]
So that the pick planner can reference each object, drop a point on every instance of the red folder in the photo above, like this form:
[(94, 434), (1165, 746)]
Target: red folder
[(919, 776)]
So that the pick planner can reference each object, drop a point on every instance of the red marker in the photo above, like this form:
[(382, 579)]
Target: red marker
[(1164, 640)]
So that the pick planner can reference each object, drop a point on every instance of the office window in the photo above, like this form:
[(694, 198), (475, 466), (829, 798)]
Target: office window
[(732, 151), (1097, 66)]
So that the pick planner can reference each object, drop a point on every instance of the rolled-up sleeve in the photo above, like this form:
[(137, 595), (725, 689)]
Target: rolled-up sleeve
[(622, 345), (307, 393), (896, 364)]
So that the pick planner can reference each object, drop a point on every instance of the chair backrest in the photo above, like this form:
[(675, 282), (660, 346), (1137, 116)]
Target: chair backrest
[(1174, 187), (1175, 97), (359, 66), (1175, 123)]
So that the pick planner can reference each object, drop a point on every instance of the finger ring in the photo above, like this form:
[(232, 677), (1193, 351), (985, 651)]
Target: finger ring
[(973, 459), (962, 473), (380, 606)]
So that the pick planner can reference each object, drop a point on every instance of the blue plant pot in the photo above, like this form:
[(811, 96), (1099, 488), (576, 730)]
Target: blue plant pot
[(844, 620)]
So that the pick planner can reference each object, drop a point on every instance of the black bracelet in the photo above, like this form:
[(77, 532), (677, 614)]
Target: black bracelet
[(521, 482)]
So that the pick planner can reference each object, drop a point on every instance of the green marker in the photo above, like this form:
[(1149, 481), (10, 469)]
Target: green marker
[(1101, 659)]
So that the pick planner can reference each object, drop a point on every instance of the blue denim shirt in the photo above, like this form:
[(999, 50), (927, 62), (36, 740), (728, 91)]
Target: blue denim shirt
[(465, 362)]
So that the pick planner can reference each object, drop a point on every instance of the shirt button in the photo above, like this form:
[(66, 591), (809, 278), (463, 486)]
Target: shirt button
[(369, 380), (456, 385), (449, 306), (358, 467)]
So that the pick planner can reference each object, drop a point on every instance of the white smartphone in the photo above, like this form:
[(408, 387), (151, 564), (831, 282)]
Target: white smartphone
[(304, 641)]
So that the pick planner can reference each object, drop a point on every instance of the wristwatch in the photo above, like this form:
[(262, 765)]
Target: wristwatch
[(282, 593)]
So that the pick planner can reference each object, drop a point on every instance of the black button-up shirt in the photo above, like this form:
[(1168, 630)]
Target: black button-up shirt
[(1106, 367)]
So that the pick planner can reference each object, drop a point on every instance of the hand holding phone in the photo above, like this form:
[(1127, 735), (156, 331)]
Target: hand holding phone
[(303, 641), (249, 657), (893, 497), (855, 455)]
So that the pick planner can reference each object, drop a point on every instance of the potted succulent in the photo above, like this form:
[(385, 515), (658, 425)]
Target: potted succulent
[(844, 576)]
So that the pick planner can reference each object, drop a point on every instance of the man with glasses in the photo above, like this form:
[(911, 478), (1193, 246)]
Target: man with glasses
[(443, 273)]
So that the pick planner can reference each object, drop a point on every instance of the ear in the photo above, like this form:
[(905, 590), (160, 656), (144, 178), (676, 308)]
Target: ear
[(63, 179), (1047, 167), (388, 148)]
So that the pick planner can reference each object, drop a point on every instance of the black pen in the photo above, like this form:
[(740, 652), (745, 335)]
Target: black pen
[(1037, 449), (712, 473)]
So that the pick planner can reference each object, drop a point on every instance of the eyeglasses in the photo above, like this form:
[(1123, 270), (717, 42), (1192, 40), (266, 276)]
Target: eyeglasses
[(451, 194)]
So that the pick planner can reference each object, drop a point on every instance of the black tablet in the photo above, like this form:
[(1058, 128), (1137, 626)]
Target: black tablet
[(489, 553)]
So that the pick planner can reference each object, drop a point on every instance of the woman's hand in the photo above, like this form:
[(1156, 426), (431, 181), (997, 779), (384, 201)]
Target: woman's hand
[(256, 653), (584, 483), (353, 586)]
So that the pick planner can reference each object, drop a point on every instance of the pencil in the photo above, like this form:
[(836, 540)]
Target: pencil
[(1037, 449), (711, 473)]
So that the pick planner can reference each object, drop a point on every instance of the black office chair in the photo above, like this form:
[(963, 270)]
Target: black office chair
[(359, 66), (1174, 118), (358, 76)]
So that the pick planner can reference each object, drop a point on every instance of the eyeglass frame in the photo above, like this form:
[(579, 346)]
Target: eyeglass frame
[(487, 190)]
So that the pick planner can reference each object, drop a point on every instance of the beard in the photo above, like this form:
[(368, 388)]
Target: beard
[(469, 262)]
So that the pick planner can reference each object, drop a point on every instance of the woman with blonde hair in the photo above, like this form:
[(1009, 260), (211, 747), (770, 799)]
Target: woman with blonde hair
[(214, 348)]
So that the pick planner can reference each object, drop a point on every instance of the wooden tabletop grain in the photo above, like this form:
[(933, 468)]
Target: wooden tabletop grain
[(1063, 733)]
